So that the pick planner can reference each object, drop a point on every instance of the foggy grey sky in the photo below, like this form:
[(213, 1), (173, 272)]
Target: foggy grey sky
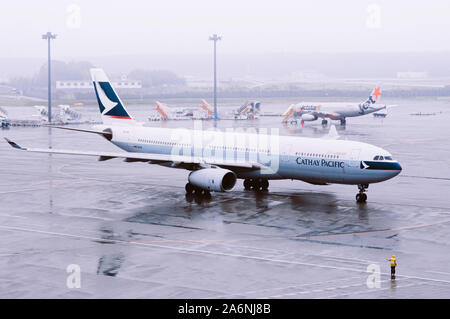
[(182, 27)]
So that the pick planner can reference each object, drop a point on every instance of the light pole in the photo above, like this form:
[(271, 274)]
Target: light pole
[(48, 36), (215, 38)]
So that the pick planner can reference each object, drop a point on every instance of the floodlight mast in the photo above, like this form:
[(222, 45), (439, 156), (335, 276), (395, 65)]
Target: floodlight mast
[(49, 36), (215, 38)]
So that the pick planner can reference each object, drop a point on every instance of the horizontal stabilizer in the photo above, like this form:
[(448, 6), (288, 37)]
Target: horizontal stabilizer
[(13, 144), (106, 134)]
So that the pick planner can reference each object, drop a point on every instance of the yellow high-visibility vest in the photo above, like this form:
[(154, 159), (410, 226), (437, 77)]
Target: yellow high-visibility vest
[(393, 261)]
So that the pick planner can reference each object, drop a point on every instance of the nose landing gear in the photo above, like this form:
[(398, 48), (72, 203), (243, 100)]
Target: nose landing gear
[(361, 197)]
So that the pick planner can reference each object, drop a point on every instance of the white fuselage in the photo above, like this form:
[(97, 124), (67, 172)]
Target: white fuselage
[(337, 110), (314, 160)]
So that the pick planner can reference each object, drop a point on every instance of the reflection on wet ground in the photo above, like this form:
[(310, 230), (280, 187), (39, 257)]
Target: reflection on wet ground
[(136, 234)]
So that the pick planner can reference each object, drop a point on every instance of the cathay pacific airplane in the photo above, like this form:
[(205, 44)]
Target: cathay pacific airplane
[(312, 111), (217, 159)]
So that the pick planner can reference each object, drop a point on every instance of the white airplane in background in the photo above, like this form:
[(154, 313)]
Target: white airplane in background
[(215, 165), (66, 114), (181, 113), (248, 110), (312, 111), (4, 121)]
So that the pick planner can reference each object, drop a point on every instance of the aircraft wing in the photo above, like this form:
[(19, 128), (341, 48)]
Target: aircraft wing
[(176, 161)]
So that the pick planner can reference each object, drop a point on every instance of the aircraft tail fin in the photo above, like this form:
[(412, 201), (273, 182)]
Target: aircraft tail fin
[(369, 103), (111, 107), (162, 110), (374, 96), (206, 106)]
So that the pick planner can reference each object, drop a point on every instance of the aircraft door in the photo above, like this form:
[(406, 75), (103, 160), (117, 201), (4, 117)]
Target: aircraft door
[(285, 153), (354, 158)]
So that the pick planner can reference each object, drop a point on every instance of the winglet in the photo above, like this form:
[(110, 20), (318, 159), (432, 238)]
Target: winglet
[(13, 144)]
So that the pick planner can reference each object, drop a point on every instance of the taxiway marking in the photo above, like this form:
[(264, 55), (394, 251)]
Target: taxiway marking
[(216, 253)]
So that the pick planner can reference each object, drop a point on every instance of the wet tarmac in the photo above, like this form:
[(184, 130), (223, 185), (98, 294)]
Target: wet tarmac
[(134, 234)]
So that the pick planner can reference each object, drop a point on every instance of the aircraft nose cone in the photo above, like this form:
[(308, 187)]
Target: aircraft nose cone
[(397, 168)]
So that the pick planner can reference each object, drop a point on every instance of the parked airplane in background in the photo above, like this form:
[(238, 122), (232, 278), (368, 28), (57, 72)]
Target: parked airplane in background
[(249, 110), (4, 121), (181, 113), (216, 163), (311, 111), (66, 115)]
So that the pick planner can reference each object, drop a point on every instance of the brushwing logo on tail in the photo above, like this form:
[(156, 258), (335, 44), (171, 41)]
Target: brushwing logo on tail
[(105, 103), (365, 106), (108, 101)]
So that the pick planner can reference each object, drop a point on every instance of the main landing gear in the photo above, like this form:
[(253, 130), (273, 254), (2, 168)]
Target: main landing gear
[(197, 191), (324, 122), (361, 197), (343, 122), (257, 184)]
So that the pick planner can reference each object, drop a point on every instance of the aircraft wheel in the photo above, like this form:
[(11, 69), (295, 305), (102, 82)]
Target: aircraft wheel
[(189, 197), (189, 188), (198, 191), (265, 184), (324, 122), (260, 184), (247, 184), (361, 198), (255, 184), (343, 122), (258, 187)]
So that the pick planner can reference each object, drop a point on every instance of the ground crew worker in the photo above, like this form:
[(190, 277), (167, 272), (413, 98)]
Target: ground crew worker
[(393, 264)]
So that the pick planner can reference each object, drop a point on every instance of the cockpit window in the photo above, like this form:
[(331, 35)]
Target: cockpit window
[(382, 158)]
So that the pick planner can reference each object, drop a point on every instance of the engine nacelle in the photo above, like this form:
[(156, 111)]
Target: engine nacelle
[(308, 117), (213, 179)]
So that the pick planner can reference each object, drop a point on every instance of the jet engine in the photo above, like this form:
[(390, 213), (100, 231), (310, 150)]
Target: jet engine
[(308, 117), (213, 179)]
